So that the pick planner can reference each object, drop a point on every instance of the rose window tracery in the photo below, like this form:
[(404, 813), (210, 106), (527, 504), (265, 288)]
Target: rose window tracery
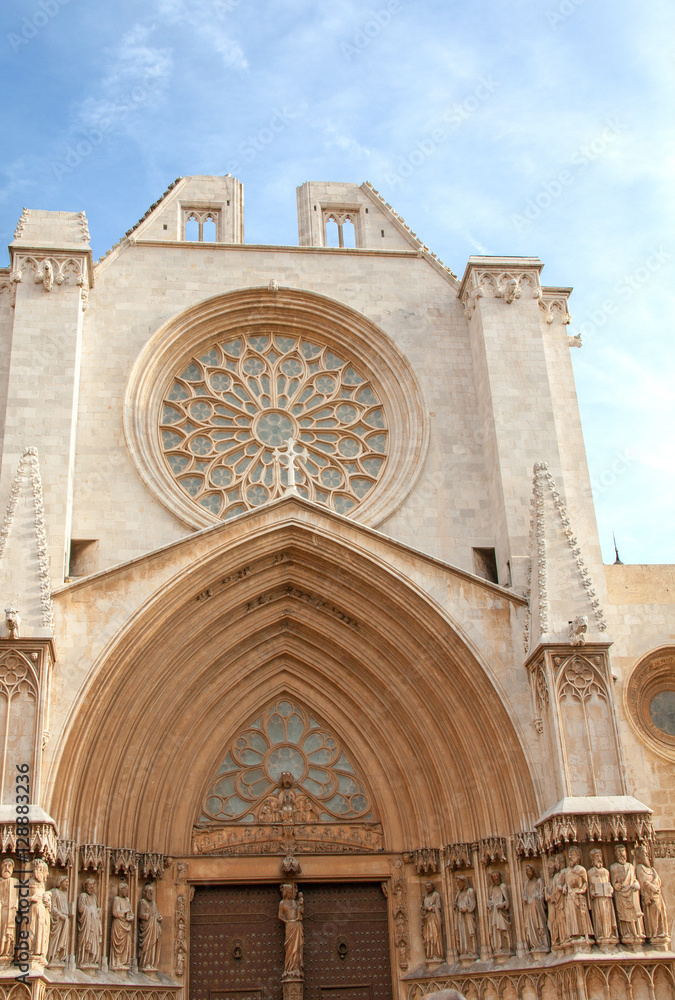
[(228, 409), (285, 765)]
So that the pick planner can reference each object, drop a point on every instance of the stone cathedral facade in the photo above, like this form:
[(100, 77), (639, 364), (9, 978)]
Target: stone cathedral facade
[(313, 684)]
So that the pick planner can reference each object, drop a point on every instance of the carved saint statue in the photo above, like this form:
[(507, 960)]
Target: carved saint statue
[(120, 930), (465, 904), (60, 923), (88, 927), (149, 930), (9, 898), (577, 917), (601, 892), (40, 903), (291, 912), (656, 918), (627, 898), (535, 911), (499, 907), (432, 926), (551, 897)]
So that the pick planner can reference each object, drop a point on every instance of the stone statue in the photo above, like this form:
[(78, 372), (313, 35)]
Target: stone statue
[(9, 898), (120, 930), (60, 923), (558, 892), (601, 891), (291, 912), (465, 904), (551, 897), (40, 902), (577, 918), (499, 907), (149, 930), (432, 927), (88, 927), (653, 903), (535, 911), (627, 898)]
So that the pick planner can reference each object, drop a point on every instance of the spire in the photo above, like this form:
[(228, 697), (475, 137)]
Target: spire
[(24, 563), (564, 606)]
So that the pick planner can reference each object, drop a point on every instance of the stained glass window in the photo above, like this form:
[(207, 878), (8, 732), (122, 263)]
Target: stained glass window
[(229, 407)]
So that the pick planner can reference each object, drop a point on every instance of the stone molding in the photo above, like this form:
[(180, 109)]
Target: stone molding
[(248, 312), (41, 839), (29, 467), (508, 279), (654, 672)]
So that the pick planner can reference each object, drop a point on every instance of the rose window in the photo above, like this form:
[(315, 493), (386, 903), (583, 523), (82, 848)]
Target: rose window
[(228, 410)]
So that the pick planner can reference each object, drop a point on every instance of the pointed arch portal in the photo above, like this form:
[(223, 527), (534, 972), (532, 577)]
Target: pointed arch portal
[(290, 612)]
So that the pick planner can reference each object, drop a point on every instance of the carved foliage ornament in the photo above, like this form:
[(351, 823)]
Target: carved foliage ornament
[(230, 407), (285, 767)]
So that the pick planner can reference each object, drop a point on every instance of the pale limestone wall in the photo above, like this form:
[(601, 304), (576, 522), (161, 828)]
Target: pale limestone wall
[(375, 227), (6, 322), (141, 287), (642, 619)]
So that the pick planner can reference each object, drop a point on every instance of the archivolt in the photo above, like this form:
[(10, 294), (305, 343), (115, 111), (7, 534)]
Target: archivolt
[(290, 613)]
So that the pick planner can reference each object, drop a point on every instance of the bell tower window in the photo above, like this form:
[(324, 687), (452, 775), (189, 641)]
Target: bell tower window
[(341, 228), (201, 225)]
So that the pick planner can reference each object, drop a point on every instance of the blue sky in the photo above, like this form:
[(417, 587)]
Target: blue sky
[(533, 127)]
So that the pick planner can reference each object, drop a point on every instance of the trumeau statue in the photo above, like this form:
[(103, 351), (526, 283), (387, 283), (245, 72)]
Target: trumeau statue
[(60, 923), (432, 926), (465, 904), (499, 907), (291, 913), (653, 903), (9, 898), (120, 930), (149, 930), (577, 917), (601, 892), (88, 927), (535, 911), (627, 898), (39, 917)]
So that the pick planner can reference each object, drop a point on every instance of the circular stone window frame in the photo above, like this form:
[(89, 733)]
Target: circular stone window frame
[(654, 673), (292, 313)]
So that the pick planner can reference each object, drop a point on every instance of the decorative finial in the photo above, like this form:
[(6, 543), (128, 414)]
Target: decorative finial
[(617, 561)]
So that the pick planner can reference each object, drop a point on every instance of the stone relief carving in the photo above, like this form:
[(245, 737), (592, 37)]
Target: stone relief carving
[(149, 930), (601, 892), (52, 269), (577, 630), (552, 307), (432, 923), (536, 933), (566, 828), (426, 860), (180, 936), (59, 935), (653, 903), (458, 855), (627, 898), (12, 622), (499, 913), (399, 894), (89, 927), (121, 930), (9, 899), (465, 904), (291, 913), (39, 916), (492, 850), (577, 918)]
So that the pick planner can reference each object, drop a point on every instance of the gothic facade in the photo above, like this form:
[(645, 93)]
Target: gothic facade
[(311, 675)]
